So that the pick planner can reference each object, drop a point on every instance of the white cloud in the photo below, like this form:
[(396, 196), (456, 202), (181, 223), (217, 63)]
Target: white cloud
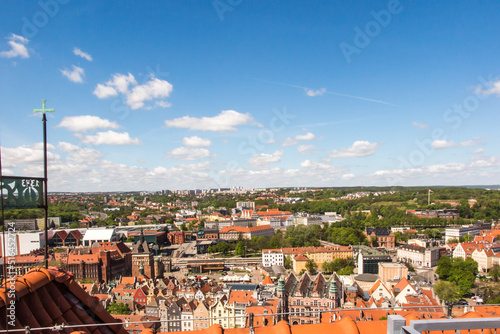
[(294, 140), (289, 142), (109, 138), (188, 153), (122, 82), (153, 89), (103, 92), (79, 154), (419, 125), (75, 75), (227, 120), (163, 104), (196, 141), (306, 149), (136, 95), (478, 151), (360, 148), (84, 169), (314, 164), (17, 47), (262, 160), (494, 89), (86, 123), (162, 171), (439, 144), (318, 92), (448, 167), (348, 176), (82, 54), (469, 143), (307, 136), (484, 162), (27, 154)]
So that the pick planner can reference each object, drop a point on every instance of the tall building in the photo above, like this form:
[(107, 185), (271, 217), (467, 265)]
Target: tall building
[(142, 256)]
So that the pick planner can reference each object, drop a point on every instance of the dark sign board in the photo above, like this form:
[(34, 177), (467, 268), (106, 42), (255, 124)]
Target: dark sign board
[(22, 192)]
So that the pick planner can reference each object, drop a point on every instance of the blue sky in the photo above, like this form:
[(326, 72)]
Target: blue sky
[(204, 94)]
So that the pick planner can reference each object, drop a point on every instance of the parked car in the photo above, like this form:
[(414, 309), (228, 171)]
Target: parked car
[(461, 302)]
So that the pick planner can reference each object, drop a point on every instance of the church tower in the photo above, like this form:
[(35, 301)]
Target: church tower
[(282, 295), (142, 256)]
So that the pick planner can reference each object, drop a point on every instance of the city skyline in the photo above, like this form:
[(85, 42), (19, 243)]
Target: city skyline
[(199, 95)]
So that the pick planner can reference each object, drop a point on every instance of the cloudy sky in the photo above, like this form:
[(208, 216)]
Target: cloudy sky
[(202, 94)]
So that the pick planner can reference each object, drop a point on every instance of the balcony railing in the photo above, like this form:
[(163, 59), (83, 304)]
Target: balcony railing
[(396, 324)]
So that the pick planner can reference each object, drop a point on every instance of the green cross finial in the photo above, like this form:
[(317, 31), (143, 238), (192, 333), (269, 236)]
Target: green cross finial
[(43, 110)]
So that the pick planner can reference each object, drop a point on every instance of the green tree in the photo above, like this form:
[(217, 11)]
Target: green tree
[(452, 241), (118, 308), (466, 238), (74, 225), (444, 267), (240, 248), (288, 262), (327, 267), (224, 247), (447, 291), (346, 270), (495, 272), (311, 266)]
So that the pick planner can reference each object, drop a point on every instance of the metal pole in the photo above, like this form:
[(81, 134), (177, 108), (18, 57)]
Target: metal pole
[(46, 202)]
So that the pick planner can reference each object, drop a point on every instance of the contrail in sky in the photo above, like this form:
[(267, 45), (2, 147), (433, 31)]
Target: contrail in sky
[(324, 91)]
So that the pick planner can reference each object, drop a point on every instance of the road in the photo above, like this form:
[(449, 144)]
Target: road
[(98, 215)]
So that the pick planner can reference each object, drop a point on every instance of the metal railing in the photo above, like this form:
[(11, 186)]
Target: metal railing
[(396, 324)]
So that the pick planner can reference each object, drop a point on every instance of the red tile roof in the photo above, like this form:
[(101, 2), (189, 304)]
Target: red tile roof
[(46, 297), (243, 297), (267, 281)]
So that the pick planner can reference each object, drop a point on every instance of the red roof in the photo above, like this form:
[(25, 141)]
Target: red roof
[(267, 281), (300, 257), (46, 297)]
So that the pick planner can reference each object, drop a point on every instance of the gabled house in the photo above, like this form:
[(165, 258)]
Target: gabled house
[(484, 259), (187, 316), (379, 290), (174, 313), (403, 289), (200, 316)]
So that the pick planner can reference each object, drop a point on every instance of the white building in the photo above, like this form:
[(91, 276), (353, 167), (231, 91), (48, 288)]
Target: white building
[(19, 243), (187, 323), (307, 220), (484, 259), (245, 205), (460, 231), (420, 256), (99, 235), (272, 257)]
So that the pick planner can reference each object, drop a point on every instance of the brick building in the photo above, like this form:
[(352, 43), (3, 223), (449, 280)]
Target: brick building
[(384, 237)]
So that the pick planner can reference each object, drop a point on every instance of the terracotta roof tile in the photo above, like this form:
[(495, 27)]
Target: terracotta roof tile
[(267, 281), (46, 297)]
